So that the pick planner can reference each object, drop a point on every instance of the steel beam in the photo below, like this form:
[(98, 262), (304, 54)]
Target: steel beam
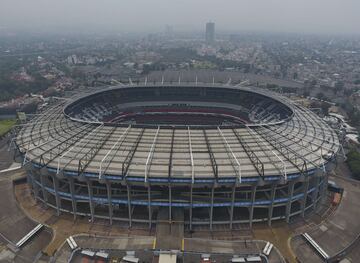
[(303, 146), (281, 170), (130, 155), (37, 133), (117, 145), (61, 147), (291, 155), (86, 159), (211, 155), (36, 146), (231, 153), (191, 157), (255, 160), (171, 152), (84, 139), (151, 154)]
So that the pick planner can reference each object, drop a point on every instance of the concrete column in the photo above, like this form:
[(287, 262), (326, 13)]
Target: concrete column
[(289, 202), (191, 207), (128, 187), (253, 198), (29, 179), (232, 206), (315, 192), (170, 208), (212, 207), (44, 191), (271, 207), (36, 190), (324, 184), (149, 206), (72, 192), (303, 202), (108, 190), (57, 197), (91, 200), (35, 186)]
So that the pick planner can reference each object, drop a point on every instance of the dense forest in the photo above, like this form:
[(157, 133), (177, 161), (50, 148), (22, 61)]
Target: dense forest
[(12, 89)]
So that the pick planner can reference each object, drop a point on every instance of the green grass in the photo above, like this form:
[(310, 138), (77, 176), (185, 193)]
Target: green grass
[(6, 125)]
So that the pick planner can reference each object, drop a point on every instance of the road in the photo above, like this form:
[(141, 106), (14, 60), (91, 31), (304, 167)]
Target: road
[(14, 225), (339, 230)]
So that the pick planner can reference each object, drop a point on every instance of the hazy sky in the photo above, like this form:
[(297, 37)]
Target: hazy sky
[(304, 16)]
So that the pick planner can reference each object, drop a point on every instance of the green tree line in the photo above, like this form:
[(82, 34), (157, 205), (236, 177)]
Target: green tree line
[(353, 160)]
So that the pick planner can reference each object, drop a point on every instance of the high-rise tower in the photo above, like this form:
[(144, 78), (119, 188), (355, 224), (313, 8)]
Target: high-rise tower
[(210, 32)]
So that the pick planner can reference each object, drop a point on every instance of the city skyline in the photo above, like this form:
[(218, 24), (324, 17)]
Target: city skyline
[(326, 17)]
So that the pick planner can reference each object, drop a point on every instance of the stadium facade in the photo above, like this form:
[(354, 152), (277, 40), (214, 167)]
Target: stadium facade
[(221, 154)]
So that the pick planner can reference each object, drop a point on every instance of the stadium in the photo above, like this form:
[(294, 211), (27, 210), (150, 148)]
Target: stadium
[(208, 154)]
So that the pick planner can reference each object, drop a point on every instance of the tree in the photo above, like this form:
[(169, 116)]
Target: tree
[(339, 85), (320, 96), (313, 83), (354, 117), (325, 108), (353, 160), (306, 93)]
